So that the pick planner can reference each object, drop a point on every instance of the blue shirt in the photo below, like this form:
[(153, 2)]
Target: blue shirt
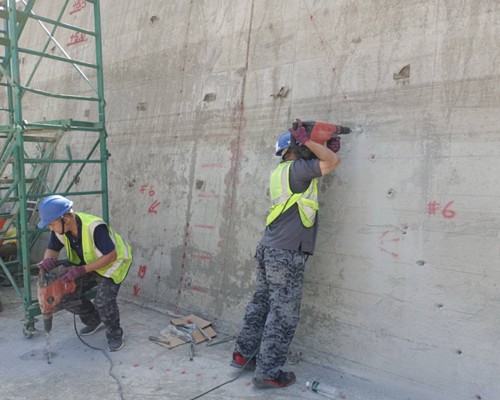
[(102, 240)]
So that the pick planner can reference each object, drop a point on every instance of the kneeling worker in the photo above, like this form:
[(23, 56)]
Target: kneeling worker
[(101, 258)]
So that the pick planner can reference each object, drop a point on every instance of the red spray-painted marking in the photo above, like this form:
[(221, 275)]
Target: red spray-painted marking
[(238, 118), (382, 241), (204, 226), (434, 206), (152, 207), (200, 289), (142, 271), (78, 5), (214, 165), (136, 289), (77, 37), (150, 192)]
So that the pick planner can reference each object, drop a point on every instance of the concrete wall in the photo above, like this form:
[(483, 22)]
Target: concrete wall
[(404, 283)]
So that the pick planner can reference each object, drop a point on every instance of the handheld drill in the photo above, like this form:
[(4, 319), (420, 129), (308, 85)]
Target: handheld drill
[(319, 132), (51, 289)]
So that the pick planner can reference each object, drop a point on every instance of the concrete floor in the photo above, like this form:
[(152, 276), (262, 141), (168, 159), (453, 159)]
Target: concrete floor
[(142, 369)]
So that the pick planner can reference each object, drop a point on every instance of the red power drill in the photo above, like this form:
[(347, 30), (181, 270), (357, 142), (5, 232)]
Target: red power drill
[(319, 132), (51, 289)]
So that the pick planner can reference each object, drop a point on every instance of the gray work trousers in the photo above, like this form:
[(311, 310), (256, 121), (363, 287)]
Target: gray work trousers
[(272, 315), (103, 309)]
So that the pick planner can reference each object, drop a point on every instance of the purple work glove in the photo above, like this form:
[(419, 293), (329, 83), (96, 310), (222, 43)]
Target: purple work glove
[(334, 144), (300, 133), (74, 273), (47, 264)]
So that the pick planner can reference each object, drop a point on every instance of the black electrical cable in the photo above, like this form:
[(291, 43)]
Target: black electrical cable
[(111, 365), (194, 398), (229, 381), (83, 341)]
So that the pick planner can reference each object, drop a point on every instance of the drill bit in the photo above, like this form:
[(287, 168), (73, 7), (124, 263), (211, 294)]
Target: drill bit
[(48, 351)]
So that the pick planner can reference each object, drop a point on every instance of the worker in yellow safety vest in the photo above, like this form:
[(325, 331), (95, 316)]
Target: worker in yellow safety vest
[(272, 315), (99, 256)]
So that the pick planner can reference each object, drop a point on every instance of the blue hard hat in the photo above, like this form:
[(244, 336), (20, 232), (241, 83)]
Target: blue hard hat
[(283, 142), (52, 208)]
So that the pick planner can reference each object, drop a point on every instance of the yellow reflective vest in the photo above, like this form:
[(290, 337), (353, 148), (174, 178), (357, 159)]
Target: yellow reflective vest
[(119, 268), (282, 197)]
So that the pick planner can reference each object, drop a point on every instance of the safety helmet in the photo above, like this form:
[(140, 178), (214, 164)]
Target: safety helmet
[(283, 142), (51, 208)]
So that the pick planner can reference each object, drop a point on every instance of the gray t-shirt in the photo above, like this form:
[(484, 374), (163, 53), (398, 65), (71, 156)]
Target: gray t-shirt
[(287, 231)]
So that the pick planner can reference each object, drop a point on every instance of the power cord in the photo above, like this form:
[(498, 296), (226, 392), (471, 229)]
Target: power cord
[(111, 365), (83, 341), (229, 381), (119, 384)]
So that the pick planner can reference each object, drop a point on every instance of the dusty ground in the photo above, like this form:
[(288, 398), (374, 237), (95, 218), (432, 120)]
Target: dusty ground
[(143, 370)]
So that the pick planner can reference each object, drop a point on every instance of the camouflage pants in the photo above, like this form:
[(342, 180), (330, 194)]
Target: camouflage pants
[(272, 315), (104, 308)]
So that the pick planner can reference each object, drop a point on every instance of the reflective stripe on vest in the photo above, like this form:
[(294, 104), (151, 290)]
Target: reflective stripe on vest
[(282, 197), (119, 268)]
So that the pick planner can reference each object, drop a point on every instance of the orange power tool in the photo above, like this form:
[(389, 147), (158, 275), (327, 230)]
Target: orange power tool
[(318, 131), (51, 289)]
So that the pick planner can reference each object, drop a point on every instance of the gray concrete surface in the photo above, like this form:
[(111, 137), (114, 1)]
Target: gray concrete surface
[(144, 370), (403, 287)]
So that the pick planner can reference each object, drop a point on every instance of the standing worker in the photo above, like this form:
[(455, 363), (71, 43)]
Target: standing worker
[(101, 258), (272, 315)]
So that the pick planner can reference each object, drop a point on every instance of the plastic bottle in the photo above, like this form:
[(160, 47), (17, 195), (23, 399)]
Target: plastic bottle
[(325, 390)]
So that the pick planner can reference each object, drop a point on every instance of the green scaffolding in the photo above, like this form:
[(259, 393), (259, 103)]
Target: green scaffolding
[(38, 114)]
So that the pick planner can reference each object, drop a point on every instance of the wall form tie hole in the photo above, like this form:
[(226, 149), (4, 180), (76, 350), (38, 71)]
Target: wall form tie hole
[(210, 97)]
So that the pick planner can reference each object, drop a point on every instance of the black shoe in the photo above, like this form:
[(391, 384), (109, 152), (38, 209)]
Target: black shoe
[(284, 379), (116, 344), (89, 329)]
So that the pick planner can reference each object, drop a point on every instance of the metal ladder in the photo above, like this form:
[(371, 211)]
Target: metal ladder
[(32, 163)]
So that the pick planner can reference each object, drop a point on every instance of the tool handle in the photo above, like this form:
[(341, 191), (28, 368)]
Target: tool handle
[(204, 333)]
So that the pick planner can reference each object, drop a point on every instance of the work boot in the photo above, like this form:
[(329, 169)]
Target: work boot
[(116, 344), (90, 329), (240, 362), (284, 379)]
